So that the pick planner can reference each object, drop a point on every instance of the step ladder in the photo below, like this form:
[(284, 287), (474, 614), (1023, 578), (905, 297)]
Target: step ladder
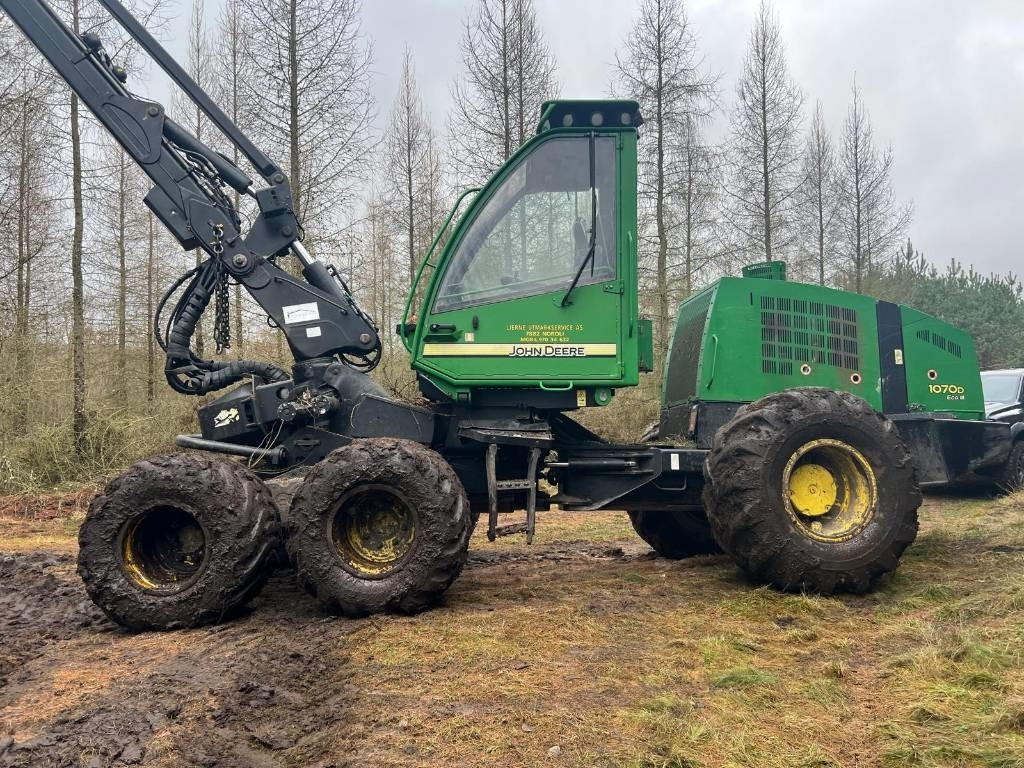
[(496, 486)]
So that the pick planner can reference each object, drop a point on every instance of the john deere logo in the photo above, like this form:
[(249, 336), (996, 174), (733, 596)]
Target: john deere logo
[(547, 350), (225, 417)]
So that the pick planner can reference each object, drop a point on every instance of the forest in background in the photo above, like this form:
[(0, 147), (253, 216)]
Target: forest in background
[(83, 264)]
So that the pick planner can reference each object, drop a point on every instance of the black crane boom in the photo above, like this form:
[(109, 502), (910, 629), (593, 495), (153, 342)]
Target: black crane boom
[(318, 315)]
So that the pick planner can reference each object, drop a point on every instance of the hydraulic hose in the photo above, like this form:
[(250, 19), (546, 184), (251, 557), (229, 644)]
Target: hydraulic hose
[(185, 372), (189, 311), (188, 378), (224, 374)]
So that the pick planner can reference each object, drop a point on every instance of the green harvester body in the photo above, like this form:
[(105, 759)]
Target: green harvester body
[(491, 309), (745, 337)]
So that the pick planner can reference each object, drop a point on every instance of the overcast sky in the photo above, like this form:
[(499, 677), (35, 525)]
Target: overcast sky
[(943, 80)]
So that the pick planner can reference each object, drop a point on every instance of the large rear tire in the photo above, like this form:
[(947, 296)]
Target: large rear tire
[(811, 489), (676, 534), (379, 525), (178, 540)]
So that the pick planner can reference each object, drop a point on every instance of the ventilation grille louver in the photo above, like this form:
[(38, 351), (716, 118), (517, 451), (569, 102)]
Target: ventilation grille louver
[(937, 340), (798, 331)]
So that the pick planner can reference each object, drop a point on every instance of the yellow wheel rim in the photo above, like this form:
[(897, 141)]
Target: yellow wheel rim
[(373, 530), (829, 490), (163, 549), (812, 490)]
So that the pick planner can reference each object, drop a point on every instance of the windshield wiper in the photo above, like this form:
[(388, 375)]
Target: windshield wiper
[(589, 258)]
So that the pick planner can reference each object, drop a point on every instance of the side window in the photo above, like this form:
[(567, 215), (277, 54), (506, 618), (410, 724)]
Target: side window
[(536, 229)]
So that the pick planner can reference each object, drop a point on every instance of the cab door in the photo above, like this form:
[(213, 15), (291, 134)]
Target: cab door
[(529, 291)]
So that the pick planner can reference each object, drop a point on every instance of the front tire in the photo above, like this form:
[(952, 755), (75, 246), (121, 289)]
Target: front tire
[(379, 525), (811, 489), (178, 540), (677, 534)]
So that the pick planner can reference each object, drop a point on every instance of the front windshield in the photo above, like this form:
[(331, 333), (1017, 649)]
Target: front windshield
[(1000, 387), (536, 229)]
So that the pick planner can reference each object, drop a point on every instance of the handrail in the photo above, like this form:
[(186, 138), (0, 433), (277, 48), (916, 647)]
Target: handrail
[(714, 361), (426, 261)]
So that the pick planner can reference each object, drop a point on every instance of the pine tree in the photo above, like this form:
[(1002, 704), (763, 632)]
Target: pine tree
[(817, 203), (508, 73), (764, 143), (872, 221), (411, 168), (660, 67), (308, 78)]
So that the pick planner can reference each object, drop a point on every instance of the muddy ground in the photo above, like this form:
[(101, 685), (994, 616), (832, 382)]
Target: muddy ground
[(266, 689), (584, 649)]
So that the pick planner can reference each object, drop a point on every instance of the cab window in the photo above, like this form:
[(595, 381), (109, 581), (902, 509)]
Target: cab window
[(536, 230)]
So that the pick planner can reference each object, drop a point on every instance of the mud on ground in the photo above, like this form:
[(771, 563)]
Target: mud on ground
[(584, 649), (265, 689)]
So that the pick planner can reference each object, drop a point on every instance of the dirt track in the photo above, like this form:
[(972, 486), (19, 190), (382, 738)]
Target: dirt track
[(266, 689)]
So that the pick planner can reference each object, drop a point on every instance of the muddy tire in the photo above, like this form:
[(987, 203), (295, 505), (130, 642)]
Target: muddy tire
[(675, 534), (177, 541), (1011, 475), (811, 489), (379, 525)]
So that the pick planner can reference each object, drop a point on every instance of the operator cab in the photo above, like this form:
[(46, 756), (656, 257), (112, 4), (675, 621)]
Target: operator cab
[(535, 290)]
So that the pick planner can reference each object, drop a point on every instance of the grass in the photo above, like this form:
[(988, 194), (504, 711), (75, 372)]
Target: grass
[(18, 534), (635, 661), (656, 663)]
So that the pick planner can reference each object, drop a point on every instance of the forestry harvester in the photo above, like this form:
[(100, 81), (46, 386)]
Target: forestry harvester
[(798, 422)]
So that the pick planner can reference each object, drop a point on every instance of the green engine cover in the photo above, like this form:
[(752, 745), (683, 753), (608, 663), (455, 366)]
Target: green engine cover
[(942, 367), (743, 338)]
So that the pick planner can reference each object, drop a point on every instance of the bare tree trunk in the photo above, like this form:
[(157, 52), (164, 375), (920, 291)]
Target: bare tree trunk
[(871, 219), (122, 276), (506, 96), (20, 320), (659, 203), (150, 309), (410, 198), (24, 250), (520, 72), (688, 221), (294, 131), (821, 234), (307, 82), (817, 200), (198, 60), (78, 423), (765, 175), (231, 37), (411, 171), (858, 211)]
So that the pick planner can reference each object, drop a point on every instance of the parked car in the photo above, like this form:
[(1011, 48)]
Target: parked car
[(1004, 401)]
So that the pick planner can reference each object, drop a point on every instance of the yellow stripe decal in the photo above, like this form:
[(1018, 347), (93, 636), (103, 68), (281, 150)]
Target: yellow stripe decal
[(519, 350)]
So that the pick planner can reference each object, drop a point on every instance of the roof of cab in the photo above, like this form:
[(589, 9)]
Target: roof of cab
[(589, 113)]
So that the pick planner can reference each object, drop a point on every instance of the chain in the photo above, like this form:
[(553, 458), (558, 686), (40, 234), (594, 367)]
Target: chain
[(221, 306)]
